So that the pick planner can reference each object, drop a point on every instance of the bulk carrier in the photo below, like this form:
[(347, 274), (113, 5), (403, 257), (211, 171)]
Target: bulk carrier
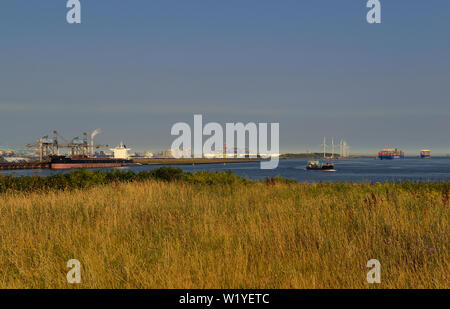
[(63, 162), (391, 154), (80, 155)]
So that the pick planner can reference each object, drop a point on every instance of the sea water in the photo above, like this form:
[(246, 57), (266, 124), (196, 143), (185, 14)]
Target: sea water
[(349, 170)]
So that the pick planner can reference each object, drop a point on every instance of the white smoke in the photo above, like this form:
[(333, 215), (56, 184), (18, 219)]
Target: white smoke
[(95, 132)]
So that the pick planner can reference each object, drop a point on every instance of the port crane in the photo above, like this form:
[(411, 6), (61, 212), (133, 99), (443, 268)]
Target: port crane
[(50, 146)]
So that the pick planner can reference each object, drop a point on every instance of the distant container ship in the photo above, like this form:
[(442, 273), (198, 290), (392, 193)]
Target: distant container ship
[(63, 162), (425, 154), (391, 154), (7, 153)]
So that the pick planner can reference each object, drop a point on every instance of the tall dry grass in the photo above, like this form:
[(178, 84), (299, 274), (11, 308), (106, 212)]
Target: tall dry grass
[(261, 235)]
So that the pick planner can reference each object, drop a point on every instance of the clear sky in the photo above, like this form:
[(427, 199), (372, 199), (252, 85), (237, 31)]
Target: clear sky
[(134, 68)]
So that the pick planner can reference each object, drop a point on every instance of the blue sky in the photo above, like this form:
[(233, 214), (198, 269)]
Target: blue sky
[(134, 68)]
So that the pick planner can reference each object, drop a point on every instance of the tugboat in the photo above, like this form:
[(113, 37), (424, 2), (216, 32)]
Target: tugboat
[(319, 166)]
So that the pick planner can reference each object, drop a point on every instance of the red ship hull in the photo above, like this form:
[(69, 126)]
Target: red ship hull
[(66, 166), (65, 163)]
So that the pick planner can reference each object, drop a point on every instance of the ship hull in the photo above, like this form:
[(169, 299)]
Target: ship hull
[(65, 163), (67, 166), (328, 168), (391, 157), (386, 157)]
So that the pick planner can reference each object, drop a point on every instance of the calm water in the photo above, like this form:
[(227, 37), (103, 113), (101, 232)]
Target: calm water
[(350, 170)]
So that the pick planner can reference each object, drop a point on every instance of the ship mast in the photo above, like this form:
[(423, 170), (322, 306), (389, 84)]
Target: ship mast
[(324, 147), (332, 148)]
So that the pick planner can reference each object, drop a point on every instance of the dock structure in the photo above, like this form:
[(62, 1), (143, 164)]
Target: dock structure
[(50, 165), (50, 146), (24, 165)]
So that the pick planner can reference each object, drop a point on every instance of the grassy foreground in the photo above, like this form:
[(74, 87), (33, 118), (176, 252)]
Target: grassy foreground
[(188, 234)]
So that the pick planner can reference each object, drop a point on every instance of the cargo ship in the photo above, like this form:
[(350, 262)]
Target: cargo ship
[(7, 153), (63, 162), (425, 154), (391, 154)]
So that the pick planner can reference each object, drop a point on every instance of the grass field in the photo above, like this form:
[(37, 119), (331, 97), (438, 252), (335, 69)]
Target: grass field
[(157, 234)]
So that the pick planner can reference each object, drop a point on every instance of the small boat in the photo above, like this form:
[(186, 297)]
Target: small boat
[(320, 166)]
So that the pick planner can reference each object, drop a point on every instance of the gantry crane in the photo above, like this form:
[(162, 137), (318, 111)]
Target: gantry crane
[(50, 146)]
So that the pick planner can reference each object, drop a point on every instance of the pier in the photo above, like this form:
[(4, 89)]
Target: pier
[(24, 165), (184, 161), (169, 161)]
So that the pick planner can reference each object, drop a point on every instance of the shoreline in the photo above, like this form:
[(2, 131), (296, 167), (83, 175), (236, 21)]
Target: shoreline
[(162, 161), (85, 178), (169, 161)]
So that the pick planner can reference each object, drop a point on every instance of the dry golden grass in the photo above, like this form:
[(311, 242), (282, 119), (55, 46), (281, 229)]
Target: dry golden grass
[(175, 235)]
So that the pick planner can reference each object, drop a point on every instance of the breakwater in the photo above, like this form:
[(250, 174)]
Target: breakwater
[(164, 161), (24, 165), (184, 161)]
